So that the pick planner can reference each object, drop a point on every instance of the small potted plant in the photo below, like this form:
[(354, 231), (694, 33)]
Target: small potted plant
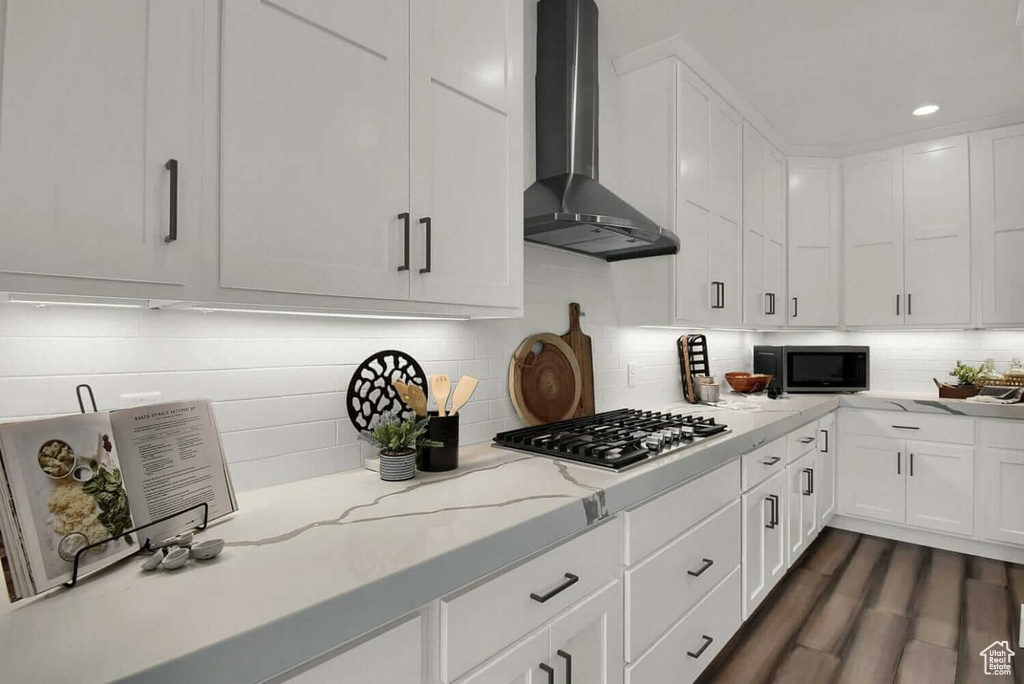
[(966, 376), (397, 438)]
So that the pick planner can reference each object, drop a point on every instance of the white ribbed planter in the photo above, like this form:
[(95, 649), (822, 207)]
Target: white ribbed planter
[(398, 467)]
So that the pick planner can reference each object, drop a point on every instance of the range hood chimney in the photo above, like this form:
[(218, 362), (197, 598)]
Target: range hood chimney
[(567, 207)]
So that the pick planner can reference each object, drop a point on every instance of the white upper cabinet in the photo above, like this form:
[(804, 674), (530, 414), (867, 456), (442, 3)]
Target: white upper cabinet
[(315, 147), (764, 231), (997, 217), (936, 192), (372, 150), (815, 200), (725, 266), (467, 151), (97, 98), (873, 202)]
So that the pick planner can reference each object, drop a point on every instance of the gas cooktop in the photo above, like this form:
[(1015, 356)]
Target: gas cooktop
[(614, 440)]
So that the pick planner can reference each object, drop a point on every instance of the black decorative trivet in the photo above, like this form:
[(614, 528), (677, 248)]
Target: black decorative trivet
[(370, 392)]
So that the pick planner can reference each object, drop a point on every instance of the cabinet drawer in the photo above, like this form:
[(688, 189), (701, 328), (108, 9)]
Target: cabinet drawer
[(677, 657), (762, 463), (394, 656), (486, 618), (802, 440), (653, 524), (905, 425), (1002, 434), (665, 586)]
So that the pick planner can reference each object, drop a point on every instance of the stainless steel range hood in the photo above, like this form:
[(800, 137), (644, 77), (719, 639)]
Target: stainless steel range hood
[(567, 207)]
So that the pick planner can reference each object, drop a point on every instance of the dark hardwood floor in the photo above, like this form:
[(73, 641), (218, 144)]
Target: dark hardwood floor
[(862, 610)]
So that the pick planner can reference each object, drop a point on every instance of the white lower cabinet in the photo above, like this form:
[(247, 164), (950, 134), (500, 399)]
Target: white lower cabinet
[(520, 664), (801, 506), (871, 480), (392, 657), (764, 540), (1000, 469), (683, 653), (940, 487), (825, 475), (586, 640)]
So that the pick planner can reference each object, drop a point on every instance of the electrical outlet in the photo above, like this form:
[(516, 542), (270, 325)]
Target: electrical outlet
[(140, 399), (631, 373)]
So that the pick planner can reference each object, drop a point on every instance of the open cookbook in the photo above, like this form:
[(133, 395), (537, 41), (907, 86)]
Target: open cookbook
[(69, 482)]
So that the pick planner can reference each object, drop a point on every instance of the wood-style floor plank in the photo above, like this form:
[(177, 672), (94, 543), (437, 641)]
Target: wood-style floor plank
[(924, 663), (876, 649), (937, 613), (900, 579), (987, 570), (830, 624), (806, 666), (771, 631), (830, 551), (986, 618)]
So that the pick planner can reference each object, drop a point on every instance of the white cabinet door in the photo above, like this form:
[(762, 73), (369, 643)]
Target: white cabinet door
[(997, 220), (871, 480), (523, 663), (774, 174), (394, 657), (764, 228), (755, 298), (815, 198), (586, 641), (315, 147), (940, 487), (801, 506), (467, 151), (725, 243), (764, 540), (96, 99), (1002, 481), (873, 202), (825, 475), (937, 227)]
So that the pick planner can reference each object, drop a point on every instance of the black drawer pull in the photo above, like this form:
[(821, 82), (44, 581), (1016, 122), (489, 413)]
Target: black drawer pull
[(905, 427), (550, 672), (570, 579), (772, 461), (568, 665), (707, 563), (704, 647), (172, 225), (807, 440)]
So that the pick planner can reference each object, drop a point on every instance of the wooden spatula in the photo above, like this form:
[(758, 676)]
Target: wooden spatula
[(413, 396), (441, 386), (463, 391)]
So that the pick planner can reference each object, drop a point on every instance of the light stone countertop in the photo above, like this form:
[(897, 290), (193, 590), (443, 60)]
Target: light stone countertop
[(312, 564)]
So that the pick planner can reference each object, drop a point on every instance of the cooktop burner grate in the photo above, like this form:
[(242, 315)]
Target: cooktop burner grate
[(614, 440)]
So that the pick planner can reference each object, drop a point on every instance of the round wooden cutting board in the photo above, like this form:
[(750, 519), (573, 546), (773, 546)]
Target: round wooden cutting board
[(544, 380)]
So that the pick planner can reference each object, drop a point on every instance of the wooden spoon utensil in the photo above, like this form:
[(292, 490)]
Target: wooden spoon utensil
[(463, 391), (413, 396), (441, 386)]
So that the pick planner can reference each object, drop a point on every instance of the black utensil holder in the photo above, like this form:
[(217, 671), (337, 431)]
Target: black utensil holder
[(438, 459)]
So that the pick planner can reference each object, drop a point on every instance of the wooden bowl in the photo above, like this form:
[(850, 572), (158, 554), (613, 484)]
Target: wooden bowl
[(748, 383)]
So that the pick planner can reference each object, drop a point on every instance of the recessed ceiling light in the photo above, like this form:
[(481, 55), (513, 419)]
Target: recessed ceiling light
[(925, 110)]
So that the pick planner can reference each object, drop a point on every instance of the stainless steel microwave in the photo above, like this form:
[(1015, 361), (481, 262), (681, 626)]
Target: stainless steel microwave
[(815, 368)]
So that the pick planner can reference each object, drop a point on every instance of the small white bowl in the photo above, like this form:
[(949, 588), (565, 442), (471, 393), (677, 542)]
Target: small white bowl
[(174, 559), (153, 562), (205, 550)]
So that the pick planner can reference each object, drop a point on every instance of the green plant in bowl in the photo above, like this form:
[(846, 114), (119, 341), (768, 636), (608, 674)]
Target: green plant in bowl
[(394, 436)]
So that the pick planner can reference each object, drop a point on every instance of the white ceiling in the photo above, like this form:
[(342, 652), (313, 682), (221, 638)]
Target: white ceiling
[(837, 73)]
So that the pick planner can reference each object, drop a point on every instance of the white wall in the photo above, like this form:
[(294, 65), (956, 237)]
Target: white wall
[(907, 360), (278, 381)]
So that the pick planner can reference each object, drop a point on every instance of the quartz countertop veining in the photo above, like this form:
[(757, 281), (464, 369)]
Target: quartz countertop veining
[(312, 564)]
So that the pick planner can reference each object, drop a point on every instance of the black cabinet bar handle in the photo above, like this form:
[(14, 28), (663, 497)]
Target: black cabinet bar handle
[(812, 479), (570, 579), (905, 427), (404, 216), (806, 440), (911, 464), (426, 221), (910, 304), (767, 303), (810, 482), (899, 457), (897, 305), (825, 450), (706, 563), (568, 665), (550, 672), (704, 647), (772, 461), (722, 285), (771, 513), (773, 303), (796, 307), (172, 229), (719, 288), (775, 509)]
